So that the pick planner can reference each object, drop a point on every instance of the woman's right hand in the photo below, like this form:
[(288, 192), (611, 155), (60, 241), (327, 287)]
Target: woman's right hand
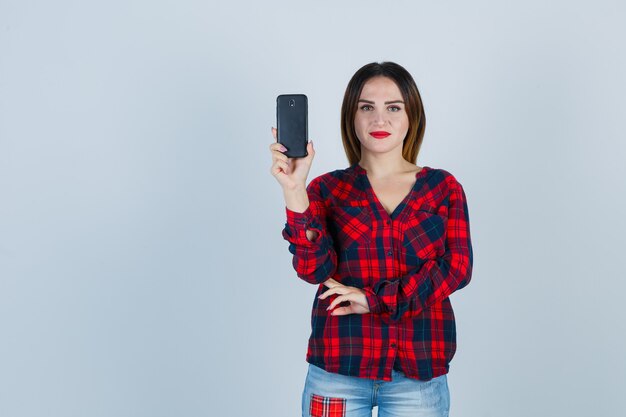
[(291, 173)]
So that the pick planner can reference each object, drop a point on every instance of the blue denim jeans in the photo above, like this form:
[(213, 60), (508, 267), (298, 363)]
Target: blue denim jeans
[(329, 394)]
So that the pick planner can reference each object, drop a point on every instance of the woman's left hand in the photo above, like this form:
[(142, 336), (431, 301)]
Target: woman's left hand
[(355, 296)]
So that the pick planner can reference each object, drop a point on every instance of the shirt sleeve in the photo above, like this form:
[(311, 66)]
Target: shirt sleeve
[(436, 278), (314, 261)]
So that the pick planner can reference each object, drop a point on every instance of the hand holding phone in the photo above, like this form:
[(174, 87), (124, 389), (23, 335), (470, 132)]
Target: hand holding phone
[(291, 174), (292, 153)]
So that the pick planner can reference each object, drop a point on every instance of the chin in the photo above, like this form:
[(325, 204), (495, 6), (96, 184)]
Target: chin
[(381, 145)]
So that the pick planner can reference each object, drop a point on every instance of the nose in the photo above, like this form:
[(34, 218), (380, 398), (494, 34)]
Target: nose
[(379, 118)]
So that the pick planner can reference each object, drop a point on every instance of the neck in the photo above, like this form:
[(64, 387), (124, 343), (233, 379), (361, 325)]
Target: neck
[(384, 165)]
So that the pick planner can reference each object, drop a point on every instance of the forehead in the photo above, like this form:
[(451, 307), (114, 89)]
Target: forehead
[(381, 87)]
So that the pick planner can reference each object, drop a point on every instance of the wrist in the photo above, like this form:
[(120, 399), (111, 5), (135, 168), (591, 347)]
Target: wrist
[(296, 199), (296, 187)]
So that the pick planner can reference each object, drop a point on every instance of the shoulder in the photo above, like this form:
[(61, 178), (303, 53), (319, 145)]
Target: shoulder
[(341, 175), (334, 179), (445, 184), (444, 177)]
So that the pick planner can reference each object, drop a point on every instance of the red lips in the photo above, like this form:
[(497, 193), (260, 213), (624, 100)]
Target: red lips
[(380, 134)]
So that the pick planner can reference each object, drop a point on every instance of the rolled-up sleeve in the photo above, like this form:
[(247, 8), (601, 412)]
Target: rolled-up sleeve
[(314, 261)]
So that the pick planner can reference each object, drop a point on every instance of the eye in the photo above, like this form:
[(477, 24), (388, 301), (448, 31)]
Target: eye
[(366, 107), (394, 108)]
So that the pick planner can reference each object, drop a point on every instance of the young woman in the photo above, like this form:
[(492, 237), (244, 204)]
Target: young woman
[(386, 242)]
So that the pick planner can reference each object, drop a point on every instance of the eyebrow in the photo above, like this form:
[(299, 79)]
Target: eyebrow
[(386, 102)]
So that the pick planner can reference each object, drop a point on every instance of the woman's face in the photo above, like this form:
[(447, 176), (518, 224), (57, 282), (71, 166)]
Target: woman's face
[(381, 122)]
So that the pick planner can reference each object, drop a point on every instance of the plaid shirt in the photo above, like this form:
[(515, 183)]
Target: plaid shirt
[(408, 263)]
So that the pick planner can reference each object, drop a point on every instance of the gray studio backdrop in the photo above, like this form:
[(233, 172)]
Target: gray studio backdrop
[(142, 269)]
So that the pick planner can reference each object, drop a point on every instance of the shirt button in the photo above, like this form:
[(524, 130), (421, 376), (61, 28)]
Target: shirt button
[(393, 345), (388, 222), (389, 252)]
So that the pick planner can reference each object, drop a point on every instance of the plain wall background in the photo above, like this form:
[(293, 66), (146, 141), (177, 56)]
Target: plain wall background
[(142, 269)]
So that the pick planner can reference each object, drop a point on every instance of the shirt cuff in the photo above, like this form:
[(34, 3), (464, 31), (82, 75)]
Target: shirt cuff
[(295, 218), (375, 306), (298, 223)]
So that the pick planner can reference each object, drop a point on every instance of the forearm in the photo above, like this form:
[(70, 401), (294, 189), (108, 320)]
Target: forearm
[(296, 199), (435, 281)]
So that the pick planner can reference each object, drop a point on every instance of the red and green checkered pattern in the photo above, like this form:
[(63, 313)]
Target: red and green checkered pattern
[(407, 262), (327, 406)]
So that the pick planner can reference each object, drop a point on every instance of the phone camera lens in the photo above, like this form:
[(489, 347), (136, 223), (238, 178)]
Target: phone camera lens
[(292, 103)]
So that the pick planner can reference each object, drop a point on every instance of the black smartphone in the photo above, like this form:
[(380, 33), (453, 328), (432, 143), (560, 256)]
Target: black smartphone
[(292, 124)]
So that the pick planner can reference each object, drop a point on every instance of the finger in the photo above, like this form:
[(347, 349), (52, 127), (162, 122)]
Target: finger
[(276, 171), (279, 155), (274, 132), (275, 146), (310, 150), (280, 166), (338, 300), (277, 168), (340, 289), (326, 293), (330, 283), (342, 311)]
